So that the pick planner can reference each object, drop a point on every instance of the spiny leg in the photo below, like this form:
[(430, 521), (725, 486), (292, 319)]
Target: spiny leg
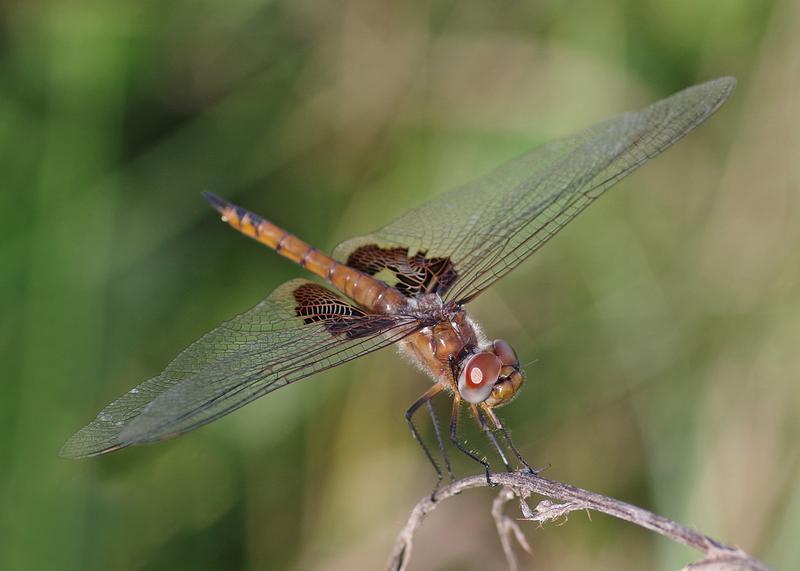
[(457, 443), (429, 404), (489, 434), (507, 437), (426, 398)]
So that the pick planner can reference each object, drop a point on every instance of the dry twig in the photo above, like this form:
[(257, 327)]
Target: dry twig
[(564, 499)]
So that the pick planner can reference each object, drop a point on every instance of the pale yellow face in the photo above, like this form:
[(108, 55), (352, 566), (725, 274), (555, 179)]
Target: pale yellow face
[(506, 387)]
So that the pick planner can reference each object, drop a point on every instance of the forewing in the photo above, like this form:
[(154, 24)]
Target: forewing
[(300, 329), (486, 228)]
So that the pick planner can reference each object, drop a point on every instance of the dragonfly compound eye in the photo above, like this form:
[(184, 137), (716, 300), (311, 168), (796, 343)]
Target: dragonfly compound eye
[(505, 353), (478, 377)]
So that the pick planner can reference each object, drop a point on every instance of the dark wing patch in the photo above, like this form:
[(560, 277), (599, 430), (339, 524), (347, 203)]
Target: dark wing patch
[(413, 275), (318, 304)]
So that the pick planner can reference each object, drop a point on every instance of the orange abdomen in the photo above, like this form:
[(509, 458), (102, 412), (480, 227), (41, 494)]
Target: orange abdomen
[(368, 292)]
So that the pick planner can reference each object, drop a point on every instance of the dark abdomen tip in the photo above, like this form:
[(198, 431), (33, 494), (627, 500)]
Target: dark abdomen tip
[(217, 203)]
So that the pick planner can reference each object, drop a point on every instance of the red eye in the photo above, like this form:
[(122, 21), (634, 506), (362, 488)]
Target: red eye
[(505, 353), (475, 376), (478, 377)]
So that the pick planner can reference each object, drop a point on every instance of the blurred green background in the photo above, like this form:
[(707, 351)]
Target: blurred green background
[(662, 327)]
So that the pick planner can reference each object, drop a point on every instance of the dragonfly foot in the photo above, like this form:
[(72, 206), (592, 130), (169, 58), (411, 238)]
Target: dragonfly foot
[(536, 471)]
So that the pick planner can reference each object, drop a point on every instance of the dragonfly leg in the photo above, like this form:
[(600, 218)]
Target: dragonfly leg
[(507, 437), (457, 443), (426, 399), (439, 440), (490, 435)]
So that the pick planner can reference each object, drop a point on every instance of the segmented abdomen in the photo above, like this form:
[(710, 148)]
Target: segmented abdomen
[(367, 291)]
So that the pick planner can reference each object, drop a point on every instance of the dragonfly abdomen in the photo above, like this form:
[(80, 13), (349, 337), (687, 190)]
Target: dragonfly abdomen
[(367, 291)]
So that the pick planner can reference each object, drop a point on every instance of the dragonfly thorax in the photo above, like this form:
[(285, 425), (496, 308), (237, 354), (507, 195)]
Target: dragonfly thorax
[(430, 308), (453, 351)]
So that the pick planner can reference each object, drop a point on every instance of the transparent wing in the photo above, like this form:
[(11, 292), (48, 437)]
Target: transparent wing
[(300, 329), (481, 231)]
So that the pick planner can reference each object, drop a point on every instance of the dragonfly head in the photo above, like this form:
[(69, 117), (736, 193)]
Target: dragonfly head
[(491, 376)]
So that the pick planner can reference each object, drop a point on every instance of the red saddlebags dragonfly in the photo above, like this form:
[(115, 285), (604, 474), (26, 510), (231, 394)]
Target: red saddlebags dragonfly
[(407, 284)]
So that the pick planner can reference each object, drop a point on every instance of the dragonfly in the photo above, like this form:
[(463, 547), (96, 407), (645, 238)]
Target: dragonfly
[(406, 284)]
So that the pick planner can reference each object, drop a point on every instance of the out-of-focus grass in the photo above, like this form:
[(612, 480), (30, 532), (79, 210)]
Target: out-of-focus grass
[(661, 325)]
